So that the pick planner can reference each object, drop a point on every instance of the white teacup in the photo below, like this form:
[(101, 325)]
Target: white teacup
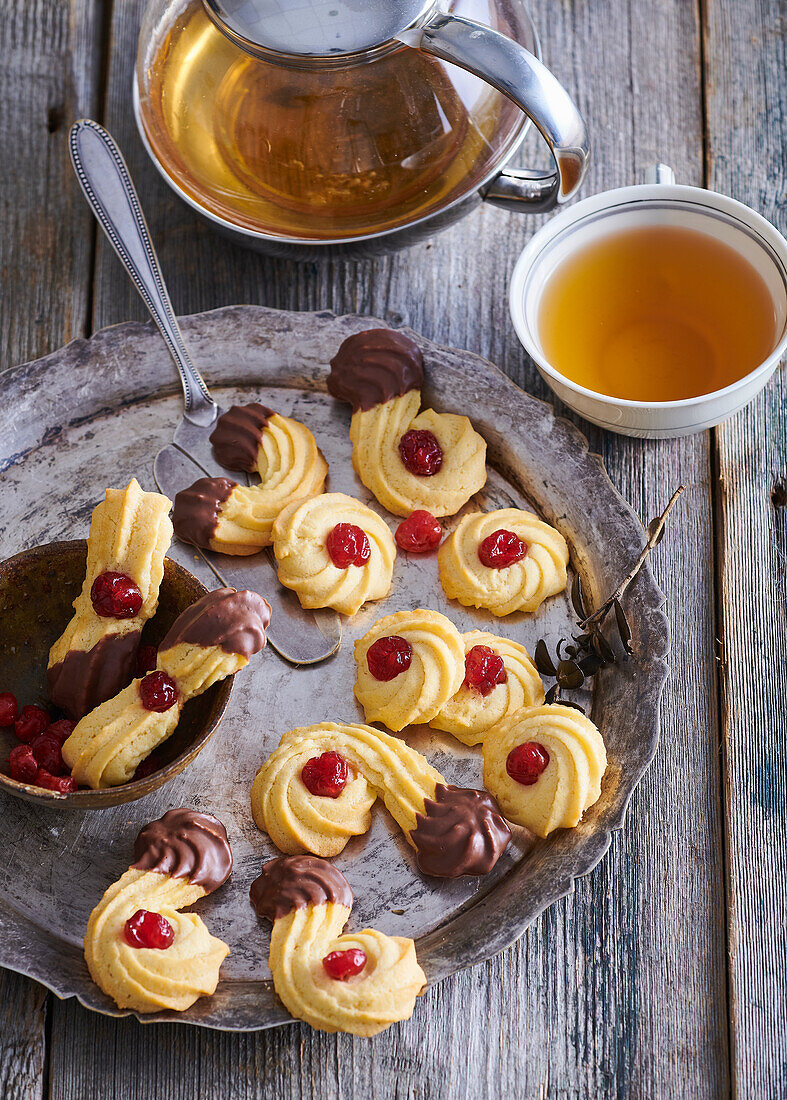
[(658, 202)]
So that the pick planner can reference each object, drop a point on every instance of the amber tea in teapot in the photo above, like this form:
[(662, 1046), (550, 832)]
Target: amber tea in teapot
[(318, 151)]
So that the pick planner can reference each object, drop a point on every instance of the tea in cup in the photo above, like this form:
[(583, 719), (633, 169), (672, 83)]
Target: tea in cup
[(655, 310)]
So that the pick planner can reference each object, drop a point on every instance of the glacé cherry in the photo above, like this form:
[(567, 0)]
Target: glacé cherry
[(484, 669), (31, 721), (22, 765), (388, 657), (325, 775), (347, 545), (63, 784), (61, 729), (501, 549), (419, 533), (158, 692), (421, 453), (46, 750), (115, 596), (526, 763), (147, 929), (9, 709), (341, 965)]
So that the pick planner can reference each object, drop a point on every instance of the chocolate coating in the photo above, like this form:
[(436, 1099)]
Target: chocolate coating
[(83, 680), (235, 621), (375, 366), (185, 844), (195, 512), (237, 436), (461, 832), (293, 882)]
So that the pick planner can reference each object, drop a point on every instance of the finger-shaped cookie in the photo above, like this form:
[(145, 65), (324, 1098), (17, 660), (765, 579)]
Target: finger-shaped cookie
[(409, 460), (141, 950), (218, 514), (409, 666), (333, 551), (316, 790), (500, 679), (544, 766), (507, 560), (359, 982), (94, 657), (209, 641)]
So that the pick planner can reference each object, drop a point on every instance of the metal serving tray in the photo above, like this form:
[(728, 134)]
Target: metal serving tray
[(93, 415)]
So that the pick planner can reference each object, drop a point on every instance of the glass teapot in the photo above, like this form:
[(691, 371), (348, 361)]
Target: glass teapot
[(359, 124)]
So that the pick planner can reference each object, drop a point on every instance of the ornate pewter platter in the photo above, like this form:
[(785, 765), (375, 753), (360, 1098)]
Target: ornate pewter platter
[(93, 415)]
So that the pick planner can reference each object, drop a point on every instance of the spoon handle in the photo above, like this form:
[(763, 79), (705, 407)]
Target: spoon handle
[(108, 188)]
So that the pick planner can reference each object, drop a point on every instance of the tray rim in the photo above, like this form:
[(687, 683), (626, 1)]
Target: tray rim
[(645, 589)]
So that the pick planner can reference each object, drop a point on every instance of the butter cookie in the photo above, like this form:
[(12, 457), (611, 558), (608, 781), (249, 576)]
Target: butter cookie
[(409, 665), (544, 766), (316, 790), (209, 641), (506, 560), (358, 982), (500, 679), (334, 551), (94, 657), (217, 514), (140, 949), (409, 460)]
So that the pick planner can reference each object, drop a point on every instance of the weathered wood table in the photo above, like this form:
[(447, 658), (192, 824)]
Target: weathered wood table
[(665, 973)]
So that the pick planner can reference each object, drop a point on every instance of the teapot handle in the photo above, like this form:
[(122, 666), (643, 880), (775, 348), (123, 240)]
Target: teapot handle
[(519, 75)]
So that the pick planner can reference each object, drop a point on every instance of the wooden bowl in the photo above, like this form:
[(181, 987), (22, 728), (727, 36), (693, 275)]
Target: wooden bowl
[(37, 589)]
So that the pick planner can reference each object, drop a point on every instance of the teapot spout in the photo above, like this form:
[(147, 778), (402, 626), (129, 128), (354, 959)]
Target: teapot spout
[(519, 75)]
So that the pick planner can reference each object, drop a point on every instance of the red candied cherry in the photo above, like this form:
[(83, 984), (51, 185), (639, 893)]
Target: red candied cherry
[(146, 767), (526, 762), (325, 775), (419, 533), (61, 729), (147, 929), (500, 549), (341, 965), (146, 660), (46, 750), (484, 669), (115, 596), (9, 708), (421, 453), (347, 545), (63, 784), (32, 720), (158, 691), (387, 657), (22, 765)]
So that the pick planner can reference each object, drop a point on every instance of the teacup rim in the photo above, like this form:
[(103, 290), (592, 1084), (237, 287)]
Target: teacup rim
[(604, 200)]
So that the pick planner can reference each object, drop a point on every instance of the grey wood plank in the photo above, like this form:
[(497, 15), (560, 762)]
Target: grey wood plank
[(746, 61), (49, 75), (619, 990)]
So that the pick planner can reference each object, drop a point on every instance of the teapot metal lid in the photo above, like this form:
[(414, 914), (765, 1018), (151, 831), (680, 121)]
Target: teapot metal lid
[(314, 28)]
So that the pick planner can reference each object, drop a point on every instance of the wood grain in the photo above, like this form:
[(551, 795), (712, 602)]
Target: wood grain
[(619, 990), (746, 59), (49, 75)]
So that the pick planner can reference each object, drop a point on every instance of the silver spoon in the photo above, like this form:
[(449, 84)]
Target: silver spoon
[(301, 637)]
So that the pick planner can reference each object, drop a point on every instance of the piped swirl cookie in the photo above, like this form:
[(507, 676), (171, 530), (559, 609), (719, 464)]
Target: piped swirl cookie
[(544, 766), (316, 790), (141, 950), (333, 551), (209, 641), (94, 657), (359, 982), (409, 460), (409, 665), (218, 514), (500, 679), (506, 560)]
